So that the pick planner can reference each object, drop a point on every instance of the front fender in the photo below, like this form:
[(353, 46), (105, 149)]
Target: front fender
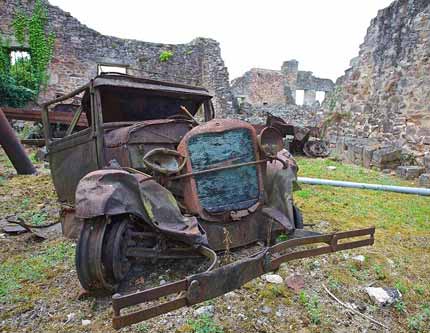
[(109, 192), (113, 192)]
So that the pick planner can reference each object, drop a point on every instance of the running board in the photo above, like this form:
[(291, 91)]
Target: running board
[(219, 281)]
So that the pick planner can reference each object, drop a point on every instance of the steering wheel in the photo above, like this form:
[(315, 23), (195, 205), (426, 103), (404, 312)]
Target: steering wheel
[(164, 161)]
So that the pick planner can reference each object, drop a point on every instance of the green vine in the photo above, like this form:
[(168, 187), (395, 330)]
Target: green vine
[(24, 78), (41, 43), (4, 57), (20, 24)]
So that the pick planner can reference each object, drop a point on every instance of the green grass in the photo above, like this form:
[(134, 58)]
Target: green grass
[(17, 271), (348, 172), (399, 258), (203, 324), (312, 306), (383, 209)]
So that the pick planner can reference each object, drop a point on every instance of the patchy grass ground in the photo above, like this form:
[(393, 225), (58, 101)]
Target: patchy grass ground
[(39, 289)]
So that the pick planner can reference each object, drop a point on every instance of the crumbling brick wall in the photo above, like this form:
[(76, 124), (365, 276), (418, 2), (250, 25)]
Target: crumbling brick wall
[(79, 50)]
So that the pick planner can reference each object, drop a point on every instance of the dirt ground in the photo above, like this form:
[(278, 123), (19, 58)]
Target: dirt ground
[(39, 290)]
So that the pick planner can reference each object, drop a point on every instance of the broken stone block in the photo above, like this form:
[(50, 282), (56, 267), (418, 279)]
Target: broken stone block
[(425, 179), (367, 156), (409, 171), (387, 158), (383, 296), (296, 282)]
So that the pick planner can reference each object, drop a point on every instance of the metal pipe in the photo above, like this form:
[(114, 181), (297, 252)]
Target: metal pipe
[(377, 187), (13, 148)]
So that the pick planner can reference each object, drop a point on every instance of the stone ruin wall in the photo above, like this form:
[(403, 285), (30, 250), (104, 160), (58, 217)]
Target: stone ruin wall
[(387, 91), (260, 87), (261, 91), (79, 50)]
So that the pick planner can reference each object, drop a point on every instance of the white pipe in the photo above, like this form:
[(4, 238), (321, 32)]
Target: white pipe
[(389, 188)]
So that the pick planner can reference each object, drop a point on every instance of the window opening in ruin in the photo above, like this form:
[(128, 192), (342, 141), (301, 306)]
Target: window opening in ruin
[(300, 96), (20, 66), (102, 68), (320, 95), (17, 56)]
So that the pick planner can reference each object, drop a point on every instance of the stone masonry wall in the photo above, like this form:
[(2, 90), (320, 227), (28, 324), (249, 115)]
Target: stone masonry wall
[(262, 87), (79, 49), (387, 89)]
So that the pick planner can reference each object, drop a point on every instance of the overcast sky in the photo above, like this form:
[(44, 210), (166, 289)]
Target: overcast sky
[(322, 35)]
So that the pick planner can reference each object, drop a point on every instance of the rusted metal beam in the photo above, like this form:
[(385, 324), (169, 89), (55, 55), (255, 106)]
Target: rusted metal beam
[(59, 117), (13, 148)]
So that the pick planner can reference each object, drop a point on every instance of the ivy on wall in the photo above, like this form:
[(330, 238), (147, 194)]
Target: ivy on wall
[(30, 74)]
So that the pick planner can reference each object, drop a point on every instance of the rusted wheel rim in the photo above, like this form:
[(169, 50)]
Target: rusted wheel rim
[(89, 266), (116, 250)]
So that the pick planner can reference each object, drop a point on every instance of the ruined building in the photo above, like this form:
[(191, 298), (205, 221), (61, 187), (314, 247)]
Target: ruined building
[(386, 90), (273, 87), (80, 53)]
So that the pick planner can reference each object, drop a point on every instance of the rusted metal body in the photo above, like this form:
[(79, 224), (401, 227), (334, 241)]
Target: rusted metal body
[(301, 137), (13, 148), (148, 180)]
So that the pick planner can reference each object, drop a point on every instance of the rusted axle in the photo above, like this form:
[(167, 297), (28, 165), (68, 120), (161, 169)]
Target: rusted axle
[(13, 148), (216, 282)]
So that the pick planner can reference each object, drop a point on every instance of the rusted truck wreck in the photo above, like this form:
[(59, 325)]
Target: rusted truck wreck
[(148, 180)]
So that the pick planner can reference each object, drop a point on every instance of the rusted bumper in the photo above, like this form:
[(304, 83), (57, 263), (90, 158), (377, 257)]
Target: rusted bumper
[(210, 284)]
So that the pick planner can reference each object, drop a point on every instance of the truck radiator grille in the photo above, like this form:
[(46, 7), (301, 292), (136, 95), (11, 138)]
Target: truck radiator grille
[(225, 190)]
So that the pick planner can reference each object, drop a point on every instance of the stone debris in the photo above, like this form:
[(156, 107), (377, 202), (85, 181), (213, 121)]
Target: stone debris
[(331, 168), (315, 265), (409, 172), (266, 309), (86, 322), (208, 310), (383, 296), (230, 295), (273, 278), (70, 317), (359, 258), (296, 282), (424, 180)]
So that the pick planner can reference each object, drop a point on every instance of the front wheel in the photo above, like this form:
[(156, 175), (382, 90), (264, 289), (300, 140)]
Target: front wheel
[(101, 262)]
